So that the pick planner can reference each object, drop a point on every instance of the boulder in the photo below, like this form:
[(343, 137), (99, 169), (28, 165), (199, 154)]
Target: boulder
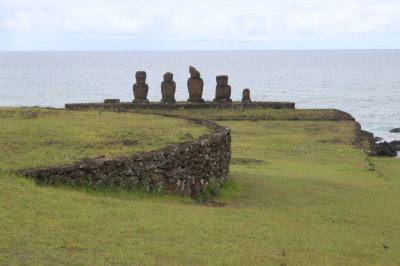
[(27, 113), (388, 149), (395, 130)]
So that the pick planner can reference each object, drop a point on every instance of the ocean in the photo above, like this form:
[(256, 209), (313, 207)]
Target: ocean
[(365, 83)]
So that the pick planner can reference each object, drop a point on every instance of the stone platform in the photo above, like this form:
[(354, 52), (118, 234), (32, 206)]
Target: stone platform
[(120, 106)]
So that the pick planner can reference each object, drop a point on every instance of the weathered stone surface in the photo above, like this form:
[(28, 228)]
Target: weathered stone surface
[(27, 113), (388, 149), (168, 87), (246, 96), (185, 168), (140, 88), (125, 106), (111, 100), (195, 86), (395, 130), (223, 90)]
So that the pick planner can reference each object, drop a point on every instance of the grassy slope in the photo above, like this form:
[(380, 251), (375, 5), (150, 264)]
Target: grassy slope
[(315, 196), (253, 114), (61, 137)]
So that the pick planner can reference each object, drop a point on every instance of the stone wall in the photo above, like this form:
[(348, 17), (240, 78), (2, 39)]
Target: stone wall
[(186, 169), (116, 106)]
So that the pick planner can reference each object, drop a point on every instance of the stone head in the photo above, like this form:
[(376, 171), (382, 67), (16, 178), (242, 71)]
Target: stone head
[(222, 80), (141, 77), (194, 73), (168, 76)]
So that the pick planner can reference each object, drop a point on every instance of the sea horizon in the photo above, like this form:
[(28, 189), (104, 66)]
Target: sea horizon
[(363, 82)]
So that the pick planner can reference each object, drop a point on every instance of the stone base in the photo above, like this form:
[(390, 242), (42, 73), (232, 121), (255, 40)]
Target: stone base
[(111, 101), (168, 101), (222, 100), (179, 105), (195, 100), (140, 101), (246, 101)]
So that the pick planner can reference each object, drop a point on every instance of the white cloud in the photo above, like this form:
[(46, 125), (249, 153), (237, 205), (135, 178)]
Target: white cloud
[(208, 19)]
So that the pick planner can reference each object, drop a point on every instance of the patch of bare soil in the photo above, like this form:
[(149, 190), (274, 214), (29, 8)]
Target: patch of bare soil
[(125, 142), (50, 142), (246, 161), (333, 141)]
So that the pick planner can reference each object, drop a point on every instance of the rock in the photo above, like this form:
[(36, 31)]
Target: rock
[(95, 163), (388, 149), (195, 86), (27, 113), (378, 139), (140, 88), (246, 96), (190, 136), (111, 100), (223, 90), (395, 130), (168, 87)]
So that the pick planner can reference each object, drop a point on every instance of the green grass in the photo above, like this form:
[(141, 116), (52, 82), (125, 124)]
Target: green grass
[(313, 195), (62, 137), (254, 114)]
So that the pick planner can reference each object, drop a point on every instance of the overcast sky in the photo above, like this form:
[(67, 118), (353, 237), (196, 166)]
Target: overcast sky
[(198, 25)]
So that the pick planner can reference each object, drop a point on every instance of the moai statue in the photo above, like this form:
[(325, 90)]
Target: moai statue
[(223, 90), (195, 86), (140, 88), (246, 96), (168, 87)]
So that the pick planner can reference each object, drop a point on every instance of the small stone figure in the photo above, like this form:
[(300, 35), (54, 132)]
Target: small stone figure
[(140, 88), (168, 87), (195, 86), (223, 90), (246, 96)]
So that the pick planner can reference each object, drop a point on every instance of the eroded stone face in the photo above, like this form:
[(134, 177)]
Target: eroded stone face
[(168, 76), (222, 80), (168, 87), (246, 96), (195, 86), (223, 90), (140, 88)]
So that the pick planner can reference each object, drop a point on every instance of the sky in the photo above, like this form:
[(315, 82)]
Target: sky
[(85, 25)]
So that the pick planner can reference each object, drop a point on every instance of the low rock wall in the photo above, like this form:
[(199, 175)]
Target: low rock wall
[(187, 169)]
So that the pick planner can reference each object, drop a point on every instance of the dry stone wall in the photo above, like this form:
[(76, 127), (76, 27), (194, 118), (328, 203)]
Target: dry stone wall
[(187, 169)]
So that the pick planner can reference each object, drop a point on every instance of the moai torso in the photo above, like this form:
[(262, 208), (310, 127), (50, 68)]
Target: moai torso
[(195, 86), (140, 88), (223, 90), (168, 87), (246, 96)]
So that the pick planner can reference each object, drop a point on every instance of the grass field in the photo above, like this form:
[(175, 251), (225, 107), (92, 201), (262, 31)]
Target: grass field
[(299, 194), (256, 114), (62, 137)]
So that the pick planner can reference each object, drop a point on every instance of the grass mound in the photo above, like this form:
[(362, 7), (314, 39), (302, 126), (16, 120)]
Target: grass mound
[(55, 137)]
